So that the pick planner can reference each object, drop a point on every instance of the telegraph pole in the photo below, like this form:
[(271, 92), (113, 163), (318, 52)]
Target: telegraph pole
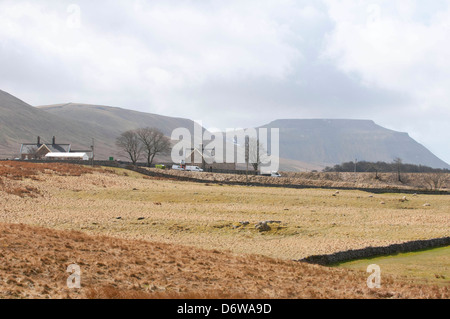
[(247, 156), (203, 158), (92, 147)]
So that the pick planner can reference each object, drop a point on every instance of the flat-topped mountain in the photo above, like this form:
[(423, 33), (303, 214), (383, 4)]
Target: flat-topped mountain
[(329, 142)]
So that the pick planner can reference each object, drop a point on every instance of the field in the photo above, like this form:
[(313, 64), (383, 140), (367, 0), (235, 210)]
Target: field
[(35, 260), (123, 204), (424, 266)]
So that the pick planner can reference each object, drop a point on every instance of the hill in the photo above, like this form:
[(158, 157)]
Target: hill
[(73, 123), (330, 142), (20, 122), (112, 121), (109, 122)]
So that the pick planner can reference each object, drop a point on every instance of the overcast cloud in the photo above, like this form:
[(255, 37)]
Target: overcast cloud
[(238, 63)]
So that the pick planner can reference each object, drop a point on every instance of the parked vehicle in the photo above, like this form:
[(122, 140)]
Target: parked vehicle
[(194, 169), (187, 168), (272, 174), (276, 174)]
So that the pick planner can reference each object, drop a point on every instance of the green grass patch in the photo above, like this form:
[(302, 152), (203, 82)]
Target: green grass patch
[(426, 266)]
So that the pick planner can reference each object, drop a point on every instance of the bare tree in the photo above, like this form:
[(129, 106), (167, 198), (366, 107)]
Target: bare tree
[(256, 153), (130, 143), (398, 161), (154, 142), (436, 180)]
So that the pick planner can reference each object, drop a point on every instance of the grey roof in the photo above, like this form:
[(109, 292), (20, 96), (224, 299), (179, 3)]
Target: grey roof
[(29, 148), (58, 148)]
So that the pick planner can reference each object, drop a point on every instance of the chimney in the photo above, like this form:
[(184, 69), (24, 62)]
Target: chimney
[(54, 140), (39, 140)]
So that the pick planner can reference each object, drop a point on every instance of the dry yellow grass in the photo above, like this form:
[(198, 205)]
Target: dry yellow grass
[(313, 221), (35, 260)]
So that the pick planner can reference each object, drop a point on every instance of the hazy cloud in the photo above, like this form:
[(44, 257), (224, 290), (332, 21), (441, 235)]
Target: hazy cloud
[(402, 46)]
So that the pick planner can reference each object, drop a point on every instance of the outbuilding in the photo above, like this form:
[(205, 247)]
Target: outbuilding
[(68, 156)]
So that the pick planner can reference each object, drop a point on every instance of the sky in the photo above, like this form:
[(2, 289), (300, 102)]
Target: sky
[(235, 64)]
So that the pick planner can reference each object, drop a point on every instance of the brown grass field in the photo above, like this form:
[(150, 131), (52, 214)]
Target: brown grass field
[(35, 260), (190, 219)]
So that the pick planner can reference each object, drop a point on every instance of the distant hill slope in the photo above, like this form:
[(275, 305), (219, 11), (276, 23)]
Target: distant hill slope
[(74, 123), (109, 122), (332, 142), (112, 121), (20, 122)]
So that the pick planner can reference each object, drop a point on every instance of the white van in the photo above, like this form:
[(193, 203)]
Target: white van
[(194, 169), (271, 174), (188, 168), (275, 174)]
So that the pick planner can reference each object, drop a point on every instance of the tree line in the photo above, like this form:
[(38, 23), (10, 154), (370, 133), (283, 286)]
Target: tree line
[(149, 142), (143, 142), (383, 167)]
